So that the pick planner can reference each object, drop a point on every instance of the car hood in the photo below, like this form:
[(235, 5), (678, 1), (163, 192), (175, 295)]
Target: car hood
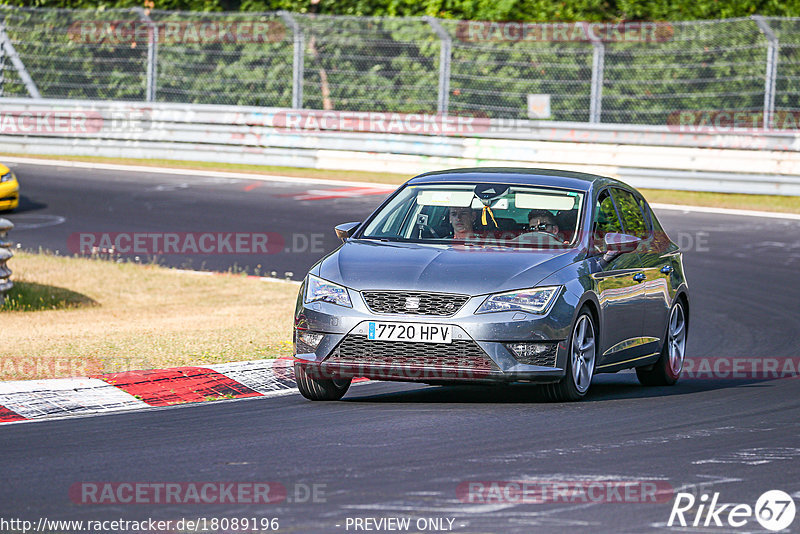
[(362, 265)]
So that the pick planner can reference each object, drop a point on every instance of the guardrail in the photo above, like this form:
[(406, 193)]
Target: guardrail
[(645, 156), (5, 254)]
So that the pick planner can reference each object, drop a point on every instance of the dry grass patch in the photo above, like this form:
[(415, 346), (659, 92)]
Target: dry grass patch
[(77, 316), (298, 172), (785, 204)]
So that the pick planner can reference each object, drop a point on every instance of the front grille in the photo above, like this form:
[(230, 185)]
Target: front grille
[(414, 302), (460, 354)]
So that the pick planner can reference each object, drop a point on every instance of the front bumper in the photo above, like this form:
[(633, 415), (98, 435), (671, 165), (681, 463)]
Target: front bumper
[(478, 353), (9, 195)]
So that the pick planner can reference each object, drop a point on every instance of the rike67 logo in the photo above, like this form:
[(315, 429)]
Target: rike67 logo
[(774, 510)]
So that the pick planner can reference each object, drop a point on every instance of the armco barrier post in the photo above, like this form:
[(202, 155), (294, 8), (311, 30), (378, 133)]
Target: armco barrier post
[(152, 54), (771, 74), (298, 59), (598, 68), (445, 54), (5, 255)]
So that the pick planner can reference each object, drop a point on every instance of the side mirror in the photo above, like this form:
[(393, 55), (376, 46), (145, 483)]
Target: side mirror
[(617, 244), (621, 243), (346, 230)]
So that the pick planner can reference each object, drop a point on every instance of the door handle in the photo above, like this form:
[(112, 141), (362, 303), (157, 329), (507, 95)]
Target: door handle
[(666, 269), (639, 277)]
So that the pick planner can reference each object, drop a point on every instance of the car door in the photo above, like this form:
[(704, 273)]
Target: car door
[(635, 223), (661, 261), (619, 290)]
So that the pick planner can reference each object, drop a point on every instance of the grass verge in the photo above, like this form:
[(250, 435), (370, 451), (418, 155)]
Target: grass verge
[(79, 316), (667, 196)]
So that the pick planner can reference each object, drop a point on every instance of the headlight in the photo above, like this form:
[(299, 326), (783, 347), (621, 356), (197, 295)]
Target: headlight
[(318, 289), (7, 177), (534, 300)]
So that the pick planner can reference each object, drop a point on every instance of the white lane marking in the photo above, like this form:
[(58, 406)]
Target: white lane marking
[(639, 442), (726, 211), (297, 180), (27, 221), (188, 172), (168, 187), (755, 456), (405, 507), (59, 396)]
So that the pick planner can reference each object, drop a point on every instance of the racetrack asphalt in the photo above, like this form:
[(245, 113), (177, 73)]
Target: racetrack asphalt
[(402, 450)]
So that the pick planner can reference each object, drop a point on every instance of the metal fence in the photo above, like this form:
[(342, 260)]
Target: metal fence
[(587, 73)]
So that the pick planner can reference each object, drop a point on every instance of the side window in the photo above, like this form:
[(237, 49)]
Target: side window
[(657, 228), (631, 214), (605, 220)]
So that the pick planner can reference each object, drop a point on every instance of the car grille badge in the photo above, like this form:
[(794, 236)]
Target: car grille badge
[(412, 303)]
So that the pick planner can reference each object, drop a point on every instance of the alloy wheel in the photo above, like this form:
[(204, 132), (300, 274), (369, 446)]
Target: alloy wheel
[(583, 353)]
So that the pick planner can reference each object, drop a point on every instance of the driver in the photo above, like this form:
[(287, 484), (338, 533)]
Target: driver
[(463, 222), (544, 221)]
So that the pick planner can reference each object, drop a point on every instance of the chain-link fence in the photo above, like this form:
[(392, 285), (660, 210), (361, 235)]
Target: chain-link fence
[(636, 73)]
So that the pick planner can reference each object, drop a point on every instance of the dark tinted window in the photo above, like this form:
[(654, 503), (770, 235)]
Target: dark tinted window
[(631, 214), (606, 216), (606, 220), (653, 219)]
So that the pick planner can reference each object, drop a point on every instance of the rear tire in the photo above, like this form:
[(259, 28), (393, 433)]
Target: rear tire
[(668, 367), (320, 389), (581, 359)]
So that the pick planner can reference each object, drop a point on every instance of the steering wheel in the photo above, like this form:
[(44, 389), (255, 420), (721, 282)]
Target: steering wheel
[(550, 234)]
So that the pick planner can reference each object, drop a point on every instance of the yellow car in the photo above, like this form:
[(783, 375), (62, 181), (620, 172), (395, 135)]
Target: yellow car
[(9, 189)]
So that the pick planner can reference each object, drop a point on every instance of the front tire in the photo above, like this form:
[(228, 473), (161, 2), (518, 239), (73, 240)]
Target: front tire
[(580, 361), (668, 367), (320, 389)]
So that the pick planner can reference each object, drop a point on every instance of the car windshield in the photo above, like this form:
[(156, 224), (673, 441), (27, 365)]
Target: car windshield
[(495, 215)]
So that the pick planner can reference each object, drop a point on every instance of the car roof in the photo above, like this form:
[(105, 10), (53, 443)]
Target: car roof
[(579, 181)]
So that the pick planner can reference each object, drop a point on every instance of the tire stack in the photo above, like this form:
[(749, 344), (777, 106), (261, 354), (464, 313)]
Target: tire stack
[(5, 255)]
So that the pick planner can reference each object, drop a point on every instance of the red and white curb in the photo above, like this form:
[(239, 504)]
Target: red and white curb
[(35, 399)]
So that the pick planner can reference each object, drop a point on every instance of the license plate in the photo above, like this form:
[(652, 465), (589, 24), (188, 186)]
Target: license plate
[(416, 332)]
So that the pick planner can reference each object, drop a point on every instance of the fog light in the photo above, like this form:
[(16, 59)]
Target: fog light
[(534, 353), (306, 341)]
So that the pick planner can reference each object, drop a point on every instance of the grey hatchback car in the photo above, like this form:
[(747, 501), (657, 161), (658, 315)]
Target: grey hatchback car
[(496, 275)]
